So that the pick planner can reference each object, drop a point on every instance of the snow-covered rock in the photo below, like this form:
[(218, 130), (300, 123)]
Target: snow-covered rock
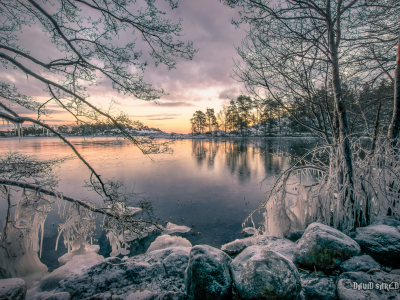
[(76, 266), (249, 231), (167, 241), (173, 228), (259, 273), (381, 242), (237, 246), (324, 247), (362, 263), (280, 245), (207, 275), (316, 287), (375, 286), (159, 271), (12, 288)]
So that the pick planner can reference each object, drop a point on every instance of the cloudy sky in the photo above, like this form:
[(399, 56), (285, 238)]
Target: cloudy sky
[(193, 85)]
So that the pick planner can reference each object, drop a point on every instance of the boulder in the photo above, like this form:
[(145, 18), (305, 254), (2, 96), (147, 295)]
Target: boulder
[(167, 241), (324, 247), (171, 296), (59, 296), (207, 275), (249, 231), (237, 246), (386, 220), (346, 292), (316, 287), (12, 288), (381, 242), (293, 236), (359, 285), (362, 263), (158, 271), (280, 245), (141, 295), (259, 273), (77, 265)]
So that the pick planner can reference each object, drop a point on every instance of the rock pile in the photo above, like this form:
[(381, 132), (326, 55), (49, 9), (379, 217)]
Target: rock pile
[(321, 263)]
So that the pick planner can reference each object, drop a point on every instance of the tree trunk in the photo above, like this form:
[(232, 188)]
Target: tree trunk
[(394, 128), (339, 106)]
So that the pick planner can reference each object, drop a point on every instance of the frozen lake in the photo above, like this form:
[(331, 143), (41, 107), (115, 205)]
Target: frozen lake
[(210, 185)]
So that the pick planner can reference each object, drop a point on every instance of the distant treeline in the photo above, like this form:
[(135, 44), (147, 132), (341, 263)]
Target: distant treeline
[(241, 114), (82, 129)]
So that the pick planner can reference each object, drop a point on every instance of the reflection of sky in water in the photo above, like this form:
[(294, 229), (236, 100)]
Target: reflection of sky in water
[(213, 185)]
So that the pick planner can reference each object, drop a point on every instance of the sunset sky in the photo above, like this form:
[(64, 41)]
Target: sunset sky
[(193, 85)]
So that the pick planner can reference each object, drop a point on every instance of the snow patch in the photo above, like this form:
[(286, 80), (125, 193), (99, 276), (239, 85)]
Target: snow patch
[(173, 228), (167, 241)]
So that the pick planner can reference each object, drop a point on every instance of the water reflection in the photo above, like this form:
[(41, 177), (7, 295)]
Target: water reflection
[(209, 185)]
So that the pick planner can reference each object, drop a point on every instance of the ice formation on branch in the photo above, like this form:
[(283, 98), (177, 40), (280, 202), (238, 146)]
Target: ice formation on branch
[(22, 237), (332, 199)]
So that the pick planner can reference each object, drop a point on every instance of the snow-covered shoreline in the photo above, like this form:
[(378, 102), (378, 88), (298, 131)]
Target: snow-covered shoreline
[(319, 263)]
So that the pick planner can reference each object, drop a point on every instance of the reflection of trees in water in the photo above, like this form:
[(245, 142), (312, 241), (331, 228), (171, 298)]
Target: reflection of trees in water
[(242, 155), (205, 151), (238, 159)]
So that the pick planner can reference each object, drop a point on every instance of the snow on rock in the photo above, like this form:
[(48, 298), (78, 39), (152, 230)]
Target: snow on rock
[(249, 231), (324, 247), (83, 250), (381, 242), (173, 228), (362, 263), (158, 271), (318, 287), (207, 275), (167, 241), (76, 266), (280, 245), (238, 245), (12, 288), (259, 273), (377, 289)]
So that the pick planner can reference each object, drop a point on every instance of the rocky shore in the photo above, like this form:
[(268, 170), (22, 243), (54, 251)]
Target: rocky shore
[(319, 263)]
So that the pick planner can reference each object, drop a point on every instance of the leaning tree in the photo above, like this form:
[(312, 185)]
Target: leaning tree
[(91, 40)]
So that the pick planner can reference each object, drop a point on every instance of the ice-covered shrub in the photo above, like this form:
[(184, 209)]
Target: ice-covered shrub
[(334, 198)]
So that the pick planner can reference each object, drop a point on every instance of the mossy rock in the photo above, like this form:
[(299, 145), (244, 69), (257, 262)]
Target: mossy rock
[(324, 248)]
